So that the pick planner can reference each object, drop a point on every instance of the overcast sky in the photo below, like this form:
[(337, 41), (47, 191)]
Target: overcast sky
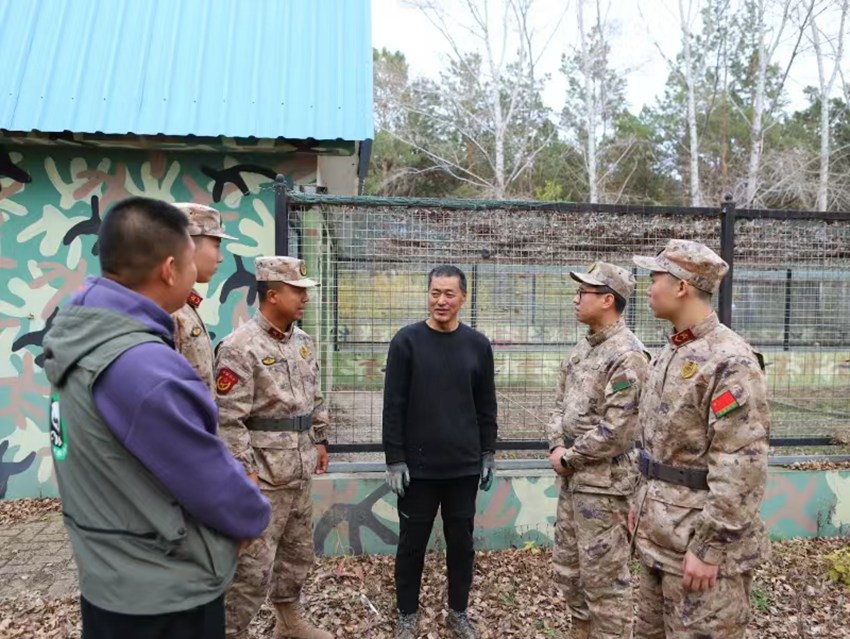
[(640, 28)]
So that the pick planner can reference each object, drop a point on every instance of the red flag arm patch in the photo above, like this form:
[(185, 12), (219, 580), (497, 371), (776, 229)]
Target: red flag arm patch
[(724, 404), (225, 381)]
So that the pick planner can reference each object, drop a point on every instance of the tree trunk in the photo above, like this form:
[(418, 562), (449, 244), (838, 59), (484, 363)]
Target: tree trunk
[(825, 86), (590, 110), (757, 129), (696, 196)]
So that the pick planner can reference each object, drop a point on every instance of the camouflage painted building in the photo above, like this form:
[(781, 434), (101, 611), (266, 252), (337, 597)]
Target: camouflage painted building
[(203, 100)]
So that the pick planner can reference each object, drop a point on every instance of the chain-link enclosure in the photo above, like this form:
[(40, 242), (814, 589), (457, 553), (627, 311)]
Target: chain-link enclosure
[(372, 255), (791, 292)]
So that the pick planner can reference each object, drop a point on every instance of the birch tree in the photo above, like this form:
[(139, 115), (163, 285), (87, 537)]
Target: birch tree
[(688, 69), (829, 52), (595, 96), (686, 19), (774, 23), (487, 100)]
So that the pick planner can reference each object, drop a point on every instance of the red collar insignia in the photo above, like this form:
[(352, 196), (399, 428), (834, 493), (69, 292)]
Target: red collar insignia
[(682, 337), (194, 300), (276, 333)]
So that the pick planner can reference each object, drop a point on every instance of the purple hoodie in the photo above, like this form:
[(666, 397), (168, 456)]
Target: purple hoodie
[(159, 409)]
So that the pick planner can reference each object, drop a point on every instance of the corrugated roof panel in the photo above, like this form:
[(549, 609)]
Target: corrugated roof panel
[(265, 68)]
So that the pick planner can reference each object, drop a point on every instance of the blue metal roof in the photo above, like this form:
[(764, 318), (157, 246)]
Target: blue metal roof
[(234, 68)]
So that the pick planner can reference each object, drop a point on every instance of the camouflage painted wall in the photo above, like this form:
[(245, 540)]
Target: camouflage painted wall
[(51, 202), (355, 514)]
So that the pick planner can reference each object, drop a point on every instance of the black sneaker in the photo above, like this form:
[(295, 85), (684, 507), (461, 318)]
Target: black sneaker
[(406, 628), (460, 624)]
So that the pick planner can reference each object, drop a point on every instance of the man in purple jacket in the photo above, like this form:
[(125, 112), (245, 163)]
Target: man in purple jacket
[(154, 504)]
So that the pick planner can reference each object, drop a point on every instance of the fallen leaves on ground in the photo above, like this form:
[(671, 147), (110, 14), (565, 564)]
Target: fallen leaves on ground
[(513, 597), (14, 511), (824, 464)]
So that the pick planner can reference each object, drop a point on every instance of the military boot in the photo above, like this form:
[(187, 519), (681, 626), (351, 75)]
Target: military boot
[(406, 628), (581, 629), (460, 624), (291, 625)]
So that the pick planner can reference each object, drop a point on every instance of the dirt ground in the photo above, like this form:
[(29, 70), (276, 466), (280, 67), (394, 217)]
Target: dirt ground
[(513, 595)]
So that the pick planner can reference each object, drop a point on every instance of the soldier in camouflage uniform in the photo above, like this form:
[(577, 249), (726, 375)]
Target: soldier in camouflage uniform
[(274, 420), (191, 338), (591, 433), (705, 425)]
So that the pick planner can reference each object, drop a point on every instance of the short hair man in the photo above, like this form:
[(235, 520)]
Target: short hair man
[(274, 420), (191, 338), (439, 433), (705, 425), (591, 433), (153, 501)]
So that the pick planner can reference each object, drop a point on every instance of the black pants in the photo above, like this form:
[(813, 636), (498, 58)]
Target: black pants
[(416, 512), (203, 622)]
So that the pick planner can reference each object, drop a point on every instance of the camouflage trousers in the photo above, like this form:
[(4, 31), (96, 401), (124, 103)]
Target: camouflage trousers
[(665, 609), (591, 557), (277, 564)]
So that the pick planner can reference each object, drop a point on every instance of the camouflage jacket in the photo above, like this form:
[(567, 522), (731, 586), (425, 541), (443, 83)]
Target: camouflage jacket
[(262, 372), (705, 407), (596, 407), (192, 340)]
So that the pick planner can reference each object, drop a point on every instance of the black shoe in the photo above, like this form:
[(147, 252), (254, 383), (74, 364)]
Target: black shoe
[(461, 625), (406, 628)]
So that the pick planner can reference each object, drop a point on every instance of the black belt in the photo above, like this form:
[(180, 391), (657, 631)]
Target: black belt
[(279, 424), (693, 478)]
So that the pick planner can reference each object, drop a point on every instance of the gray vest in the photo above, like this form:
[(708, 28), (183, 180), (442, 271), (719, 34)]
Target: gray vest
[(137, 551)]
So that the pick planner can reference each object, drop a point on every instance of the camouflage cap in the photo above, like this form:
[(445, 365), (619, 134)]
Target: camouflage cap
[(619, 280), (276, 268), (692, 262), (203, 220)]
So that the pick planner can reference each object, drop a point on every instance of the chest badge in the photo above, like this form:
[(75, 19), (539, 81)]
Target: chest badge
[(268, 361), (304, 352), (689, 370), (196, 331)]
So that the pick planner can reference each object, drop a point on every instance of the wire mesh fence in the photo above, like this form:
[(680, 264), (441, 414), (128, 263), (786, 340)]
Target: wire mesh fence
[(791, 283), (791, 292)]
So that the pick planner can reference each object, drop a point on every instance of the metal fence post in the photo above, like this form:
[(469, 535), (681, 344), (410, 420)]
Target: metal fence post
[(631, 307), (786, 332), (281, 217), (727, 252), (473, 322)]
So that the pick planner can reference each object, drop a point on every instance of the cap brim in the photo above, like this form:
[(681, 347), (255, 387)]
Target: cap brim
[(586, 278), (220, 234), (648, 263), (303, 283)]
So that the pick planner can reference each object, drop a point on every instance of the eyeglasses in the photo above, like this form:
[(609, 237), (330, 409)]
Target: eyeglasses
[(582, 291)]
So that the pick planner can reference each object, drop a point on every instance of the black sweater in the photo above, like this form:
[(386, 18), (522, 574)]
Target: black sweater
[(439, 401)]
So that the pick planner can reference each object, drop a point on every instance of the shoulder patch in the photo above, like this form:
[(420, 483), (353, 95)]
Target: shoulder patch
[(225, 381), (724, 404), (620, 383), (58, 430)]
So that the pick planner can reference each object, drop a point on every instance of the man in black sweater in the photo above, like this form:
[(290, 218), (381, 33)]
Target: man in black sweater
[(439, 439)]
